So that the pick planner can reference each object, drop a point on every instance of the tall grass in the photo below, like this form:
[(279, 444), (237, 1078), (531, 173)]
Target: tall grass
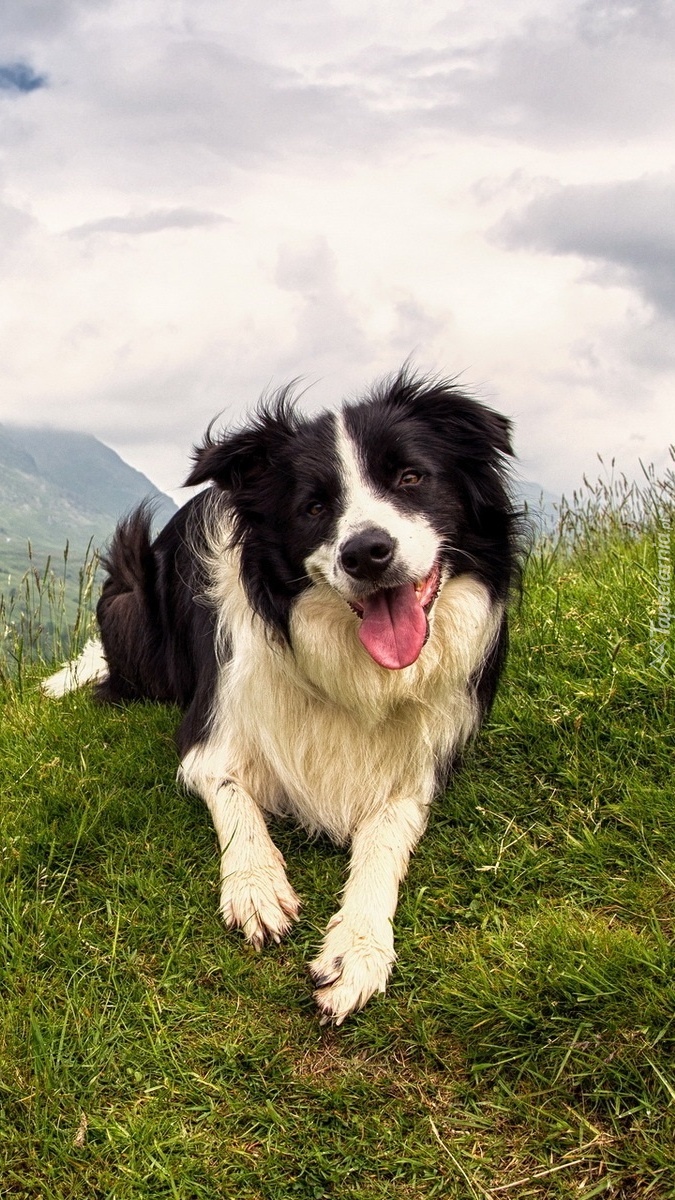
[(47, 615), (615, 507)]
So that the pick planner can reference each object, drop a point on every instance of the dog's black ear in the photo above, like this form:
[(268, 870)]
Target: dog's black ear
[(235, 461), (228, 461), (497, 428), (471, 427)]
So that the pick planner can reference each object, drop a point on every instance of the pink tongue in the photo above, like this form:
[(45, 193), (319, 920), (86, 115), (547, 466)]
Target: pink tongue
[(394, 627)]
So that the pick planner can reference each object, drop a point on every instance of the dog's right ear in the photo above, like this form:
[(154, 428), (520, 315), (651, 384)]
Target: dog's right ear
[(230, 462), (237, 460)]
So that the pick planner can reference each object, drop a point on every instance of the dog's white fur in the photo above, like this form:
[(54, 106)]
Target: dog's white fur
[(416, 540), (381, 735), (90, 667)]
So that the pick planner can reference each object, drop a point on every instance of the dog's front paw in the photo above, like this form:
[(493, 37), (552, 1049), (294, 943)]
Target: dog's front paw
[(260, 901), (355, 961)]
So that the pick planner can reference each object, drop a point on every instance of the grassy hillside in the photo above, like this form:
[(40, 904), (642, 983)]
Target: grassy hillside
[(61, 495), (58, 489), (526, 1045)]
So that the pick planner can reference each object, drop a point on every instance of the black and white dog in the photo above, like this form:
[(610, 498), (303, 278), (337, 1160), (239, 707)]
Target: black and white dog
[(331, 617)]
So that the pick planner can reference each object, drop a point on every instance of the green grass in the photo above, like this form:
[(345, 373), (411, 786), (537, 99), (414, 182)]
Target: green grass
[(526, 1045), (46, 606)]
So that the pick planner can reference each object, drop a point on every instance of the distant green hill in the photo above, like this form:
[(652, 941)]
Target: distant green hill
[(58, 488)]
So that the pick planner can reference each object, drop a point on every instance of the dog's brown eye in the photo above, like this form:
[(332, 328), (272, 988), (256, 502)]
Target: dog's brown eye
[(409, 479), (315, 509)]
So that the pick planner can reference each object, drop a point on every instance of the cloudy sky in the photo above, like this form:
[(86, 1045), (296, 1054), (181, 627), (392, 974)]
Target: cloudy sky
[(200, 199)]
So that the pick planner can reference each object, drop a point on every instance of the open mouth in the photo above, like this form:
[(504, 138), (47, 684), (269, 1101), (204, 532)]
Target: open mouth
[(394, 621)]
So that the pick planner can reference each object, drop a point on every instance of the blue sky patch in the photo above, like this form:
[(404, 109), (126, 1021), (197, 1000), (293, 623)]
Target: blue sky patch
[(19, 77)]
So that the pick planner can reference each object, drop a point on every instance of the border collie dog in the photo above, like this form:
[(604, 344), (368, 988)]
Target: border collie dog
[(330, 615)]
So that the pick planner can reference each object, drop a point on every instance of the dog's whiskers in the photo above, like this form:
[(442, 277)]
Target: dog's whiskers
[(458, 550)]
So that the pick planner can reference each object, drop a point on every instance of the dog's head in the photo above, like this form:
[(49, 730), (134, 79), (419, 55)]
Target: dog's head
[(383, 502)]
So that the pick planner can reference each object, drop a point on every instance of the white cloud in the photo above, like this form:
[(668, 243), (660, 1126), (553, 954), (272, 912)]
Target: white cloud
[(155, 221), (312, 194)]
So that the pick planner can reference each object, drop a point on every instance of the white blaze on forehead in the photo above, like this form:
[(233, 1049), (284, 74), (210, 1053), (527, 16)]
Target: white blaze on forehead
[(417, 543)]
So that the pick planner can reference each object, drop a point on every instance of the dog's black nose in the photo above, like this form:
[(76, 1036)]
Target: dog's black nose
[(367, 554)]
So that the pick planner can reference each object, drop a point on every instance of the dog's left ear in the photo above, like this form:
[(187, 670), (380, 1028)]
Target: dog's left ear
[(238, 460), (498, 429), (471, 428)]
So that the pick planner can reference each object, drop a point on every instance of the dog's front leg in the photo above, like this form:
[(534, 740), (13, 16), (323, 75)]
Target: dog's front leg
[(255, 895), (357, 954)]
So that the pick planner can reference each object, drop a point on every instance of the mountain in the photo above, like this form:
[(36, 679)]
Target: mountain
[(542, 506), (58, 487)]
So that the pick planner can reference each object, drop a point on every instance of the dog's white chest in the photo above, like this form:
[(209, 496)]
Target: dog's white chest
[(327, 735)]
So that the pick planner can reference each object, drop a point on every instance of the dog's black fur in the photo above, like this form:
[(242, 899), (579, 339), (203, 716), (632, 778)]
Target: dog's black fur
[(158, 632)]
